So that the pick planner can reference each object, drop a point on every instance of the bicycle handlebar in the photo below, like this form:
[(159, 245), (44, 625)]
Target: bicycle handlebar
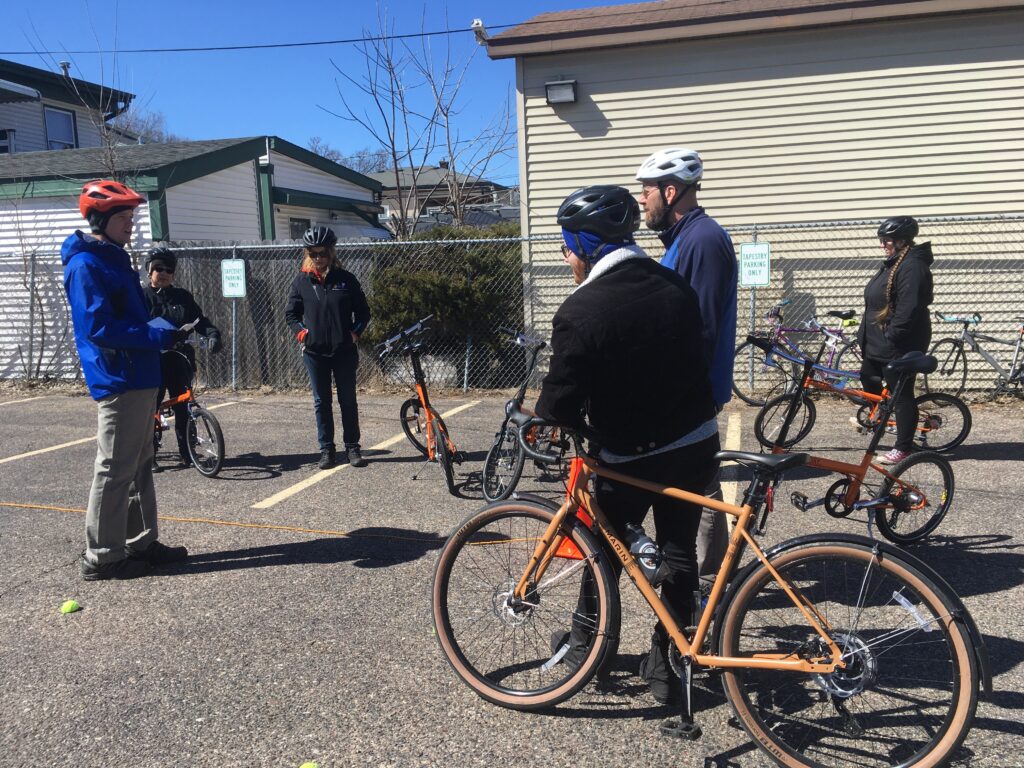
[(965, 319), (521, 339), (415, 329), (524, 422)]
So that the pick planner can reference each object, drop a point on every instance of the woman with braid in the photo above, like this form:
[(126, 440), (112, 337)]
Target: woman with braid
[(896, 320)]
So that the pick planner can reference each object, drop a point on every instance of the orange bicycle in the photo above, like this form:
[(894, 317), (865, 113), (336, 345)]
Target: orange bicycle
[(204, 437), (831, 646), (420, 421)]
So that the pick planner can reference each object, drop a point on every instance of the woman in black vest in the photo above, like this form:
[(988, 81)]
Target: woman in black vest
[(896, 320)]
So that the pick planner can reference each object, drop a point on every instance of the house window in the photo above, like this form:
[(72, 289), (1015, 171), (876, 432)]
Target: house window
[(6, 141), (297, 228), (60, 128)]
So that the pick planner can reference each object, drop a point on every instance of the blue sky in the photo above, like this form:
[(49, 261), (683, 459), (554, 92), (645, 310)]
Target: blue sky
[(277, 92)]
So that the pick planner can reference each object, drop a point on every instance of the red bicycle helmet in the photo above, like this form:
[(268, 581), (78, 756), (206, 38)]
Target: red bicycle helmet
[(103, 195)]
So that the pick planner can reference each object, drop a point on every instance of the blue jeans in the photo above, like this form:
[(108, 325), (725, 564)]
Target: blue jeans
[(342, 366)]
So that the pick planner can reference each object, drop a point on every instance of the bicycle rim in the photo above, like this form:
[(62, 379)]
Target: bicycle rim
[(205, 442), (503, 465), (770, 419), (921, 495), (754, 379), (443, 453), (943, 421), (908, 694), (503, 650), (950, 376), (414, 424)]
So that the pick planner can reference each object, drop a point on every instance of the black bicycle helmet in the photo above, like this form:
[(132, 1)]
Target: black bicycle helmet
[(161, 255), (319, 237), (902, 228), (609, 212)]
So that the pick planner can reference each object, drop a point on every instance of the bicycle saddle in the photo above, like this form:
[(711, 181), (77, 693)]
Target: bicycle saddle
[(914, 362), (843, 314), (775, 462)]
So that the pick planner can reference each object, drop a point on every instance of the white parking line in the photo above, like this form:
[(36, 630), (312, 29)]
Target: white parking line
[(732, 443), (323, 474), (83, 440), (24, 400)]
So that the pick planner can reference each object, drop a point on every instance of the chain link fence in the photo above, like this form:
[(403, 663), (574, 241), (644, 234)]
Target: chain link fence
[(477, 288)]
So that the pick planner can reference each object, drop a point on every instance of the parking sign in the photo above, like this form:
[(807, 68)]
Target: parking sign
[(232, 278), (755, 264)]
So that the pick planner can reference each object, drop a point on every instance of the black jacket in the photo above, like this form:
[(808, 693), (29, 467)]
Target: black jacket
[(332, 310), (628, 350), (178, 306), (909, 328)]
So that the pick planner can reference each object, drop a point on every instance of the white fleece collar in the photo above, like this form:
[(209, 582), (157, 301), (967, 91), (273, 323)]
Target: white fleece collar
[(613, 259)]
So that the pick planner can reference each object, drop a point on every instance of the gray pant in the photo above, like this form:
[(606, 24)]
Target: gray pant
[(122, 502), (713, 534)]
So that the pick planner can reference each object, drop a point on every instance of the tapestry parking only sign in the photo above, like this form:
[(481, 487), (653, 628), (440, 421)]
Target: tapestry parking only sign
[(755, 264)]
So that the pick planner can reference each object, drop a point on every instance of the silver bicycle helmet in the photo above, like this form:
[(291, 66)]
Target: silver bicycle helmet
[(677, 163)]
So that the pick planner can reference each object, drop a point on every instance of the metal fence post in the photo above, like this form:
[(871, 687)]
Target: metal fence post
[(31, 313), (234, 333), (753, 293), (469, 334)]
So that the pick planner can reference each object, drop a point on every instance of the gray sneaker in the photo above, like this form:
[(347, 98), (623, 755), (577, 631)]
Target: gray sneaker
[(355, 458)]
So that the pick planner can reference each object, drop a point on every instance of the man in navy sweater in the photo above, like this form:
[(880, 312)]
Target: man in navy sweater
[(701, 251)]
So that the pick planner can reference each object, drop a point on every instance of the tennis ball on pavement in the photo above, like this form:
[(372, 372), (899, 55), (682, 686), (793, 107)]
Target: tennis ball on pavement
[(69, 606), (310, 765)]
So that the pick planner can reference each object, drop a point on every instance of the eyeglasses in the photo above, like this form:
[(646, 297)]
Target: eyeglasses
[(886, 241), (565, 251), (319, 253), (646, 191), (163, 270)]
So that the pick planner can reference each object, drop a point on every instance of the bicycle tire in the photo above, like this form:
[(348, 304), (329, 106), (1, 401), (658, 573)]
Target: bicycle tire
[(950, 376), (754, 380), (503, 466), (205, 442), (769, 419), (443, 453), (943, 421), (912, 518), (503, 651), (414, 423), (848, 357), (910, 687)]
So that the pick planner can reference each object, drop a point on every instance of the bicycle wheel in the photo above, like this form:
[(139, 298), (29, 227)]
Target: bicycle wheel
[(443, 452), (414, 424), (943, 421), (770, 419), (754, 378), (848, 357), (908, 693), (921, 495), (503, 466), (205, 442), (951, 374), (502, 648)]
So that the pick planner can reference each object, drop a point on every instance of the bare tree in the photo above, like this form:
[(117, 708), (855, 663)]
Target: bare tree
[(146, 127), (409, 106), (367, 160)]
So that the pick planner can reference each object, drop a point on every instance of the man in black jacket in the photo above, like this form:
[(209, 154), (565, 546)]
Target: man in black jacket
[(178, 307), (627, 353)]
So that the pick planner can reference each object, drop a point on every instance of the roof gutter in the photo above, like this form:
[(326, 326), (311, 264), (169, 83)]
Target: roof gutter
[(11, 93)]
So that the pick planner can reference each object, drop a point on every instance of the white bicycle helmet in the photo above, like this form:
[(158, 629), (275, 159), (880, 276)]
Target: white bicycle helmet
[(674, 163)]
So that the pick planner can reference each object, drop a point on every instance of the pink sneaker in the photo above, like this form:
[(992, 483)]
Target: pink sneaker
[(893, 457)]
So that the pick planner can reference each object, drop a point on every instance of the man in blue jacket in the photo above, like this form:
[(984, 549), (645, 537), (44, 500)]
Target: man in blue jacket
[(701, 251), (120, 356)]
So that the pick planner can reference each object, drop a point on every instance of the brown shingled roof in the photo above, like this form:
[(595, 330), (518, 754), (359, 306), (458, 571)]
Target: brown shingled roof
[(615, 25)]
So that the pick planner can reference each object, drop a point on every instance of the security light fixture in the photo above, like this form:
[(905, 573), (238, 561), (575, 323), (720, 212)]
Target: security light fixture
[(561, 92)]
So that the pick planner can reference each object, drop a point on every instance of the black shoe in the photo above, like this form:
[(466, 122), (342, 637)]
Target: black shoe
[(160, 554), (129, 568), (327, 458), (658, 673), (355, 458)]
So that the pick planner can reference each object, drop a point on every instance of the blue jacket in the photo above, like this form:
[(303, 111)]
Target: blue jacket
[(702, 253), (118, 350)]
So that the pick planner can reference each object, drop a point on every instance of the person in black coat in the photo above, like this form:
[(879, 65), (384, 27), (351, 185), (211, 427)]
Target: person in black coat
[(628, 355), (327, 312), (896, 320), (178, 307)]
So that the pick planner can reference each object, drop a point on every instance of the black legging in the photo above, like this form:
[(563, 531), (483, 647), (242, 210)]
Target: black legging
[(871, 373)]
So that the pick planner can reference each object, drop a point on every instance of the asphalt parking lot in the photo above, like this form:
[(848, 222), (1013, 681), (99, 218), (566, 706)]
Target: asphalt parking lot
[(300, 628)]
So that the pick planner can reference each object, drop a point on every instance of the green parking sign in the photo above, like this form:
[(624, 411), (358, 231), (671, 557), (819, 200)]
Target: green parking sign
[(755, 264), (232, 278)]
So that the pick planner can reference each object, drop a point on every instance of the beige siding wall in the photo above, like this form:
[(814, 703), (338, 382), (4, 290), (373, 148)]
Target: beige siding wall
[(924, 117), (291, 174), (222, 206), (347, 226), (41, 224)]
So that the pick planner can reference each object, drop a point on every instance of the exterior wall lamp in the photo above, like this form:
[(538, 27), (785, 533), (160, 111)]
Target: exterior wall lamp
[(560, 92)]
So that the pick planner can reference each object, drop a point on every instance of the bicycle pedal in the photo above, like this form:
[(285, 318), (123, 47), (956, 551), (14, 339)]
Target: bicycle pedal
[(798, 500), (677, 729)]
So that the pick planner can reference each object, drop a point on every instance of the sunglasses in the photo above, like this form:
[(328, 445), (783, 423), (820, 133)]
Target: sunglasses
[(163, 270), (319, 254)]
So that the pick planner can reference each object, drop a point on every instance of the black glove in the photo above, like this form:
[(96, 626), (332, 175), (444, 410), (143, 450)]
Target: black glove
[(215, 343), (179, 336)]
